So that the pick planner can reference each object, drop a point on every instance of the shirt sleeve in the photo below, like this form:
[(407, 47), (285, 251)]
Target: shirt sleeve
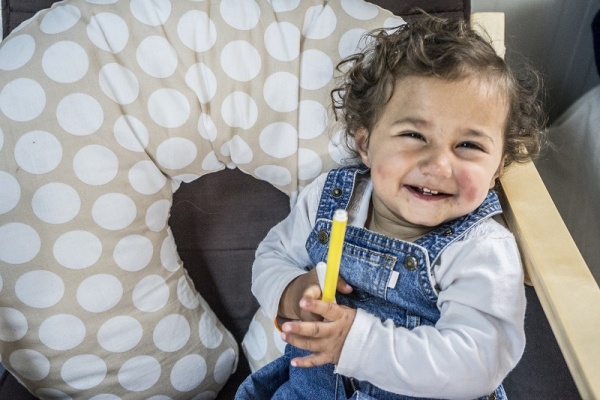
[(282, 255), (478, 339)]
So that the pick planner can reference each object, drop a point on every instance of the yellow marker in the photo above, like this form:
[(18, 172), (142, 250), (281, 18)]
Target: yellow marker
[(334, 255)]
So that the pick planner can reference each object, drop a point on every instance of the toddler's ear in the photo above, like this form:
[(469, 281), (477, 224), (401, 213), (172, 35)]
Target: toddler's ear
[(498, 173), (361, 141)]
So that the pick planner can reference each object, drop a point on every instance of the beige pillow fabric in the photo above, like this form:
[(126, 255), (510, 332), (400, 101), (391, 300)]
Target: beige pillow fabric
[(262, 344), (106, 106)]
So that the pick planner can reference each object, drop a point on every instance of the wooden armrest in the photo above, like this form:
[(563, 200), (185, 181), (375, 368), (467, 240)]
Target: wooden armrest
[(567, 290)]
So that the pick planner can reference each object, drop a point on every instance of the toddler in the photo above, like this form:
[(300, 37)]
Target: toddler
[(430, 300)]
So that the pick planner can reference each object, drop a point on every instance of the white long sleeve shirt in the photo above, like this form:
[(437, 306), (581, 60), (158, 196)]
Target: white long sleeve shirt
[(478, 339)]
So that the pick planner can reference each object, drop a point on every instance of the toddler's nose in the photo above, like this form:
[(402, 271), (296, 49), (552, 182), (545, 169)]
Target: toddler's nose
[(437, 163)]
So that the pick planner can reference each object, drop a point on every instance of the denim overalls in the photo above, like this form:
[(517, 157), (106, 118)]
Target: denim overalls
[(371, 262)]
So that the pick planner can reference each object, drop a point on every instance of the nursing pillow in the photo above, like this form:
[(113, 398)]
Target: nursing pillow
[(106, 107)]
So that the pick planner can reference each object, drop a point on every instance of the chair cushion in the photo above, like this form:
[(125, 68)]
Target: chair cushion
[(106, 108)]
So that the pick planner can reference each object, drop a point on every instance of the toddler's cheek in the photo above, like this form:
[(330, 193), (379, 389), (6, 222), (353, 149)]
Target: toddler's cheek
[(470, 188)]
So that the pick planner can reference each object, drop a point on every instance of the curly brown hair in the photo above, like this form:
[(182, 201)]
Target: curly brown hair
[(444, 48)]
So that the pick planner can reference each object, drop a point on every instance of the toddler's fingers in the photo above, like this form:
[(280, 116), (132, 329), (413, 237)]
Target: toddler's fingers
[(312, 360), (316, 346), (296, 332), (343, 286), (329, 311), (312, 292)]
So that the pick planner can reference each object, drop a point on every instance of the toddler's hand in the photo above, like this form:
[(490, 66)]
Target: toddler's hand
[(324, 339), (306, 286)]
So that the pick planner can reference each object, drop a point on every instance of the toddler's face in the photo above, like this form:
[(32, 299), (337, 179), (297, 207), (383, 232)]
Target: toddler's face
[(436, 150)]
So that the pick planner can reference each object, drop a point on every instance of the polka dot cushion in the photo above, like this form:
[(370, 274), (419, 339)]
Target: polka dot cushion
[(106, 106), (262, 343)]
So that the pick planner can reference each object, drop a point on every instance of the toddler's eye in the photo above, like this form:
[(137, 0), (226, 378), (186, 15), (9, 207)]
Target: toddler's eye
[(414, 135), (470, 145)]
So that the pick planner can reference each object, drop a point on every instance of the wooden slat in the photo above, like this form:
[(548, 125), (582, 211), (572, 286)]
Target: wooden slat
[(562, 280), (491, 26), (567, 290)]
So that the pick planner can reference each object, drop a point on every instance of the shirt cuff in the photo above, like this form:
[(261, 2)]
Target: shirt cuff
[(354, 345)]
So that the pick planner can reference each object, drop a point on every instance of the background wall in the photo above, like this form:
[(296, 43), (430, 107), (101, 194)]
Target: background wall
[(555, 36)]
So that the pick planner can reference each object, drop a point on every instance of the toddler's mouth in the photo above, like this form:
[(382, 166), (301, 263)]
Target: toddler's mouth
[(426, 191)]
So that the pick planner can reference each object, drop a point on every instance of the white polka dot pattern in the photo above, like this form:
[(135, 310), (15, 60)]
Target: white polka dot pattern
[(106, 106), (11, 192), (22, 99), (77, 249), (65, 62), (262, 344), (62, 332)]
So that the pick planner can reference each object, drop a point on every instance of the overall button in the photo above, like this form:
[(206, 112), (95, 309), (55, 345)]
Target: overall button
[(336, 192), (448, 232), (390, 261), (410, 263), (323, 236)]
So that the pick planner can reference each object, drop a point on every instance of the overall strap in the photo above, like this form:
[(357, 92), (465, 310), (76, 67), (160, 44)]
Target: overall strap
[(438, 239), (338, 189)]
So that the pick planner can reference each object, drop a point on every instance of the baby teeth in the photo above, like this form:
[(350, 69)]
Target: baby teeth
[(429, 191)]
